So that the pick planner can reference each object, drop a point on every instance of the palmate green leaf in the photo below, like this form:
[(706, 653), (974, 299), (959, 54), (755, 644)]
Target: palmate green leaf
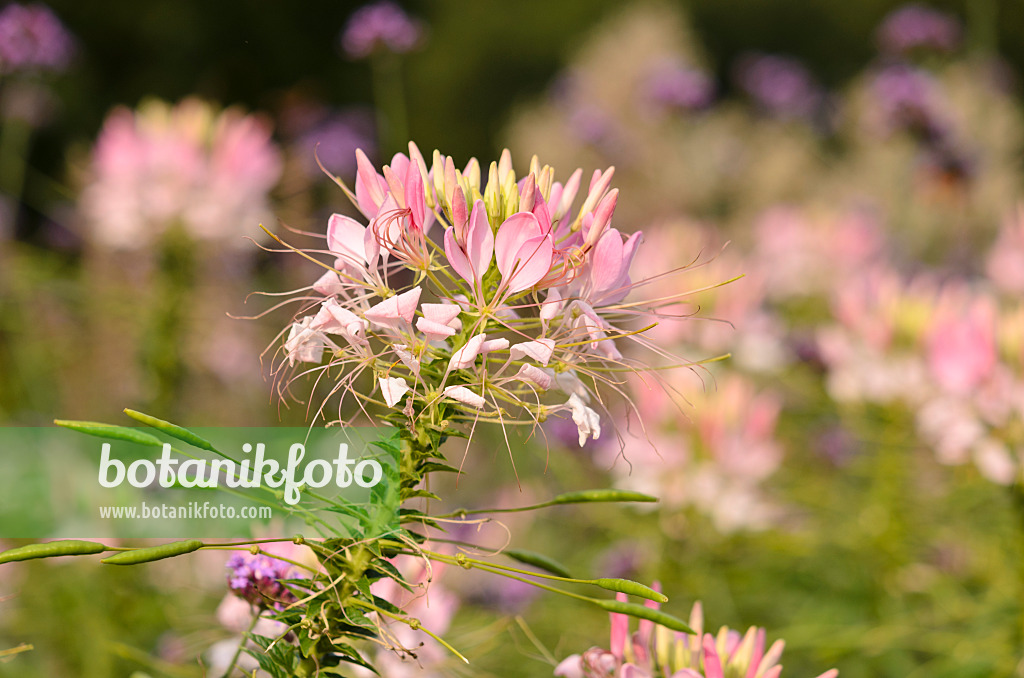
[(110, 432), (388, 570), (276, 661), (344, 654)]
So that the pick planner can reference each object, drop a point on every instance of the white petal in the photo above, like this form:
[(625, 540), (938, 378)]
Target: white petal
[(465, 396), (539, 350), (393, 389)]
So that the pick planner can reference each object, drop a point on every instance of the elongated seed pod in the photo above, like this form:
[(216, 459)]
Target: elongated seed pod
[(538, 560), (589, 496), (51, 549), (111, 432), (148, 555), (642, 612), (182, 434), (633, 588)]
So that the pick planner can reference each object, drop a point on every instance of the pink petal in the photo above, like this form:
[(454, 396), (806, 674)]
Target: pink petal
[(493, 345), (407, 358), (415, 197), (457, 258), (345, 237), (479, 241), (602, 217), (393, 389), (712, 663), (329, 284), (441, 313), (606, 263), (393, 309), (370, 186), (552, 304), (515, 231), (465, 357), (465, 396), (534, 375), (530, 264), (570, 667), (620, 630), (538, 349), (434, 331)]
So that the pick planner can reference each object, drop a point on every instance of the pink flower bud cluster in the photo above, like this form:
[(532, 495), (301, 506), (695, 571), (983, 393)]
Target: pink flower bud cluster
[(654, 652)]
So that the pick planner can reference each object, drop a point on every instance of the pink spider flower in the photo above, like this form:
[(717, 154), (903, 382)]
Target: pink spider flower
[(656, 652), (509, 313)]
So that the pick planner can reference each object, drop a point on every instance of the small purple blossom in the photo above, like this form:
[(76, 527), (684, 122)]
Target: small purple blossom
[(380, 25), (672, 84), (257, 579), (781, 86), (908, 100), (32, 38), (335, 139), (915, 26)]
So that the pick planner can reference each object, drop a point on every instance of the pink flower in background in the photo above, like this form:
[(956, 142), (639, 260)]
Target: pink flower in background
[(416, 653), (656, 652), (915, 26), (960, 345), (186, 166), (32, 38), (1005, 263), (381, 25)]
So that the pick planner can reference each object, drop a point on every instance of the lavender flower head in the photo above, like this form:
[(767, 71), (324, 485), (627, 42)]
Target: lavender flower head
[(913, 27), (382, 25), (907, 99), (32, 38), (257, 579), (674, 85), (781, 86), (336, 138)]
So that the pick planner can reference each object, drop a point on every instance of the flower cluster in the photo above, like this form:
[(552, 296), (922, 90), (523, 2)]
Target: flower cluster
[(916, 27), (257, 579), (656, 652), (32, 38), (474, 298), (780, 85), (187, 165), (382, 25)]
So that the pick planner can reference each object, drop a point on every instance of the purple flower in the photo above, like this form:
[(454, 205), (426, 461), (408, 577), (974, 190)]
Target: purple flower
[(380, 25), (257, 579), (32, 37), (336, 139), (908, 100), (914, 27), (781, 86), (672, 84)]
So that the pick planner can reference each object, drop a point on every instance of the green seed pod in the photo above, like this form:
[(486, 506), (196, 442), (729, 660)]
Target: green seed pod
[(112, 432), (632, 588), (64, 547), (173, 430), (148, 555), (590, 496), (539, 561), (642, 612)]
